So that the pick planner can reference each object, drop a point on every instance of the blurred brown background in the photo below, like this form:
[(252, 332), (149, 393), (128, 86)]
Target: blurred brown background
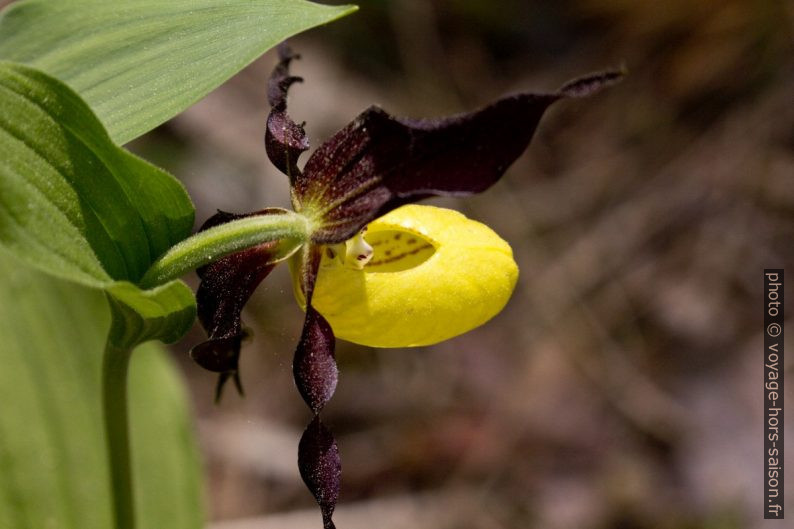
[(622, 385)]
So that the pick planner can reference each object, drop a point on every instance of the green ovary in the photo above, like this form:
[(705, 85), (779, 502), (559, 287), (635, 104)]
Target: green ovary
[(435, 274)]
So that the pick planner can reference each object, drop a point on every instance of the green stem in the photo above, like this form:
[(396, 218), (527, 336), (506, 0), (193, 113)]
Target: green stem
[(290, 228), (114, 408)]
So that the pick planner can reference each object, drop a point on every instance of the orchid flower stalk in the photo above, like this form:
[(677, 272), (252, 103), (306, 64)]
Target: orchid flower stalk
[(418, 275)]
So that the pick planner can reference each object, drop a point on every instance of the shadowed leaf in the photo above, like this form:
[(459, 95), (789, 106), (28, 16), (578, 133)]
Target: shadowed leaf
[(163, 313), (53, 460)]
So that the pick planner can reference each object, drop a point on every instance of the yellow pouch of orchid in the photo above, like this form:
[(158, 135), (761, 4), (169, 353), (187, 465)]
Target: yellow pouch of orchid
[(434, 274)]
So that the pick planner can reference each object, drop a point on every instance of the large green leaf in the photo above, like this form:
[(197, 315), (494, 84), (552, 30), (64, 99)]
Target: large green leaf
[(141, 62), (53, 461), (72, 202)]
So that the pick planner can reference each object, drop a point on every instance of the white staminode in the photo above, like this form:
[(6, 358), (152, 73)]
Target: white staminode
[(357, 252)]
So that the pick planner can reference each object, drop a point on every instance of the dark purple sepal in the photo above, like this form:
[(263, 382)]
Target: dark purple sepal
[(226, 285), (379, 162), (285, 140), (320, 467), (219, 354)]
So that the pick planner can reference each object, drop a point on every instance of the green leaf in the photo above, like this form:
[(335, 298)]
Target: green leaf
[(71, 202), (164, 313), (140, 62), (53, 461)]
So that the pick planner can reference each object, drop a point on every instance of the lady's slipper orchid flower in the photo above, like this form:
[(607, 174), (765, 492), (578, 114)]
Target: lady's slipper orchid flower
[(418, 276)]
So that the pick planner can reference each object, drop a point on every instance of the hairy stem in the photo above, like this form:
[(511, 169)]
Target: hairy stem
[(115, 419), (291, 228)]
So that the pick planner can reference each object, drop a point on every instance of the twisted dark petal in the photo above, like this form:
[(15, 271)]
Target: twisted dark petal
[(320, 467), (280, 80), (285, 140), (284, 143), (379, 162), (226, 285), (314, 365), (316, 375)]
